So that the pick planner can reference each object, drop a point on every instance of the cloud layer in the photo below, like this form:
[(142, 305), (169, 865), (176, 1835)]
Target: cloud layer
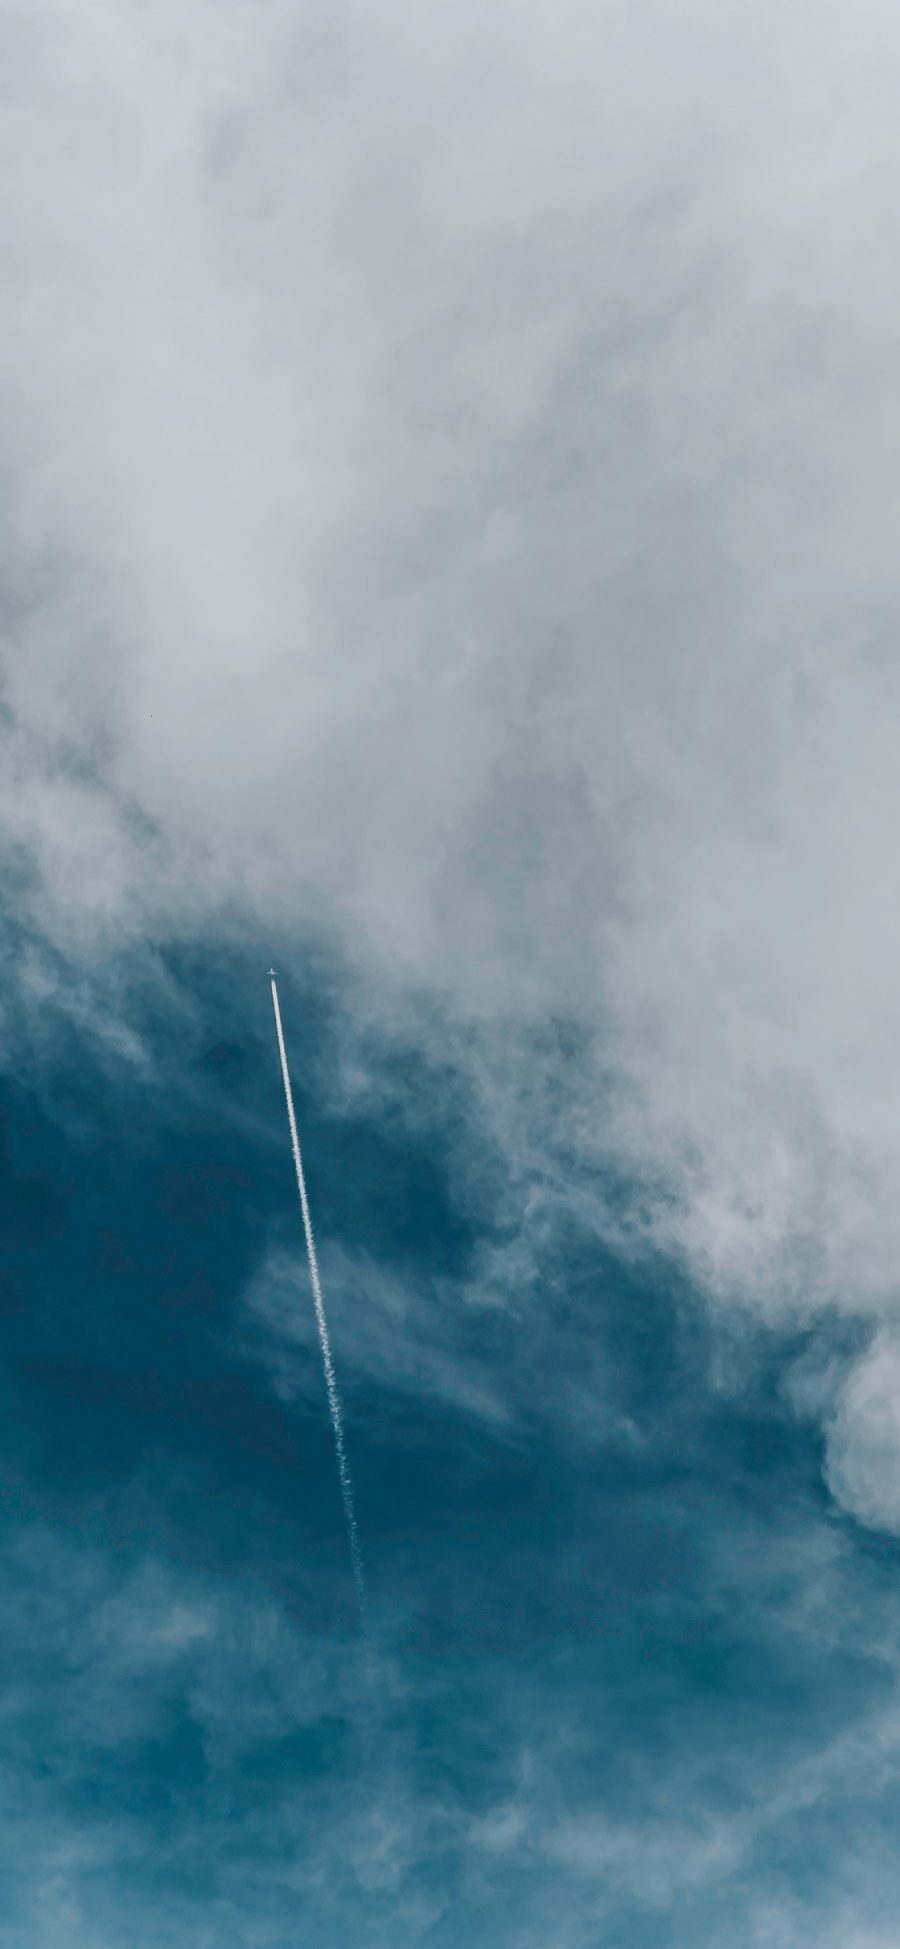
[(449, 497)]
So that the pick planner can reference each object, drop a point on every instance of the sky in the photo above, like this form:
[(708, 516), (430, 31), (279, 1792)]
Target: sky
[(449, 486)]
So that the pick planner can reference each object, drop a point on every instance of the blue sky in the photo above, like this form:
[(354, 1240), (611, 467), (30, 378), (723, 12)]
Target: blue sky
[(448, 548), (630, 1675)]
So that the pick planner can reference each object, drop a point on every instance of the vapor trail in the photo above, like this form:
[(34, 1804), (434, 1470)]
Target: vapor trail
[(334, 1399)]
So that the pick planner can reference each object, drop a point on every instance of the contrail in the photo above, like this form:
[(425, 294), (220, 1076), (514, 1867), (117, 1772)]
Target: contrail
[(334, 1399)]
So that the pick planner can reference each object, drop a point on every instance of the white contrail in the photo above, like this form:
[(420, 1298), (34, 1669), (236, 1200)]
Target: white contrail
[(334, 1399)]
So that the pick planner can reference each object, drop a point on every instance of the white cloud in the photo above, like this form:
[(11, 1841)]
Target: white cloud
[(450, 483), (863, 1453)]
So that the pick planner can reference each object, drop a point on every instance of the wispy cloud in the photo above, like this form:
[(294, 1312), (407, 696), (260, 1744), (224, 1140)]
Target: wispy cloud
[(392, 1331), (151, 1699)]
